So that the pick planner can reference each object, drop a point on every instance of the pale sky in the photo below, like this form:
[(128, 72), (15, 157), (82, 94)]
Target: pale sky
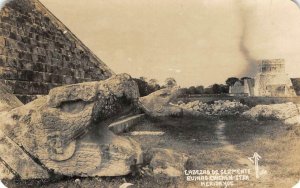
[(198, 42)]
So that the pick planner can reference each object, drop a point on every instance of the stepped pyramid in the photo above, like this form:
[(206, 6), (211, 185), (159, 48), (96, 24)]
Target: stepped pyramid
[(38, 52)]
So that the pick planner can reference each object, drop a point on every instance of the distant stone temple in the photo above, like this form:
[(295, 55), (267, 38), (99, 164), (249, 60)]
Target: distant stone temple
[(38, 52), (270, 81)]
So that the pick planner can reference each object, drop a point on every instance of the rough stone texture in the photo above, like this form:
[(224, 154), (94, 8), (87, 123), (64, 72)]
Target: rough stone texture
[(166, 162), (245, 88), (113, 156), (18, 161), (218, 108), (8, 101), (293, 120), (38, 53), (67, 130), (286, 112), (5, 173), (157, 104), (237, 88), (272, 80)]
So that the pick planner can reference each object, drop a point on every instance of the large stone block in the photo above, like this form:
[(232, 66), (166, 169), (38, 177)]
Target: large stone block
[(25, 75), (23, 166), (8, 73), (157, 104), (275, 111), (166, 162), (67, 130)]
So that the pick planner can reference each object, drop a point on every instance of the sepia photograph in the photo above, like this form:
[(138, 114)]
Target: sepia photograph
[(149, 93)]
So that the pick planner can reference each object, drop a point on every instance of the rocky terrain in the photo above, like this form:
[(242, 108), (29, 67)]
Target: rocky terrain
[(218, 108), (67, 133), (81, 130), (288, 113)]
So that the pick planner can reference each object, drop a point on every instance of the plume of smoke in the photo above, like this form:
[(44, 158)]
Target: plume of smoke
[(251, 66), (3, 3)]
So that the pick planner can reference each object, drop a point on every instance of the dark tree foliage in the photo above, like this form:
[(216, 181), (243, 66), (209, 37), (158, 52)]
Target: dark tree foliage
[(231, 81), (170, 82), (245, 78), (200, 89), (193, 90), (145, 88), (224, 88), (216, 89), (208, 90)]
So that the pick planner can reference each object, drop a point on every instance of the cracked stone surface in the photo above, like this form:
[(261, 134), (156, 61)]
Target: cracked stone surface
[(66, 132)]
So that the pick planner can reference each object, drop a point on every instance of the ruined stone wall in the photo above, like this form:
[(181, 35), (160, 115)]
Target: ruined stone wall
[(272, 66), (249, 85), (272, 81), (237, 88), (37, 52), (296, 84)]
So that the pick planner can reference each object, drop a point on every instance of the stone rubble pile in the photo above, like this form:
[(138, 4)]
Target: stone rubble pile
[(286, 112), (218, 108)]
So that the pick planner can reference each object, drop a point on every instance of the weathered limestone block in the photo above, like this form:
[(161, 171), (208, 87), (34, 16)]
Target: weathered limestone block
[(19, 162), (102, 155), (293, 121), (64, 129), (118, 156), (5, 173), (8, 101), (166, 162), (157, 104), (59, 95), (282, 112), (106, 96)]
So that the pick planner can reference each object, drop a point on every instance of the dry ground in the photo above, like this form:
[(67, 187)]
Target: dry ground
[(278, 144)]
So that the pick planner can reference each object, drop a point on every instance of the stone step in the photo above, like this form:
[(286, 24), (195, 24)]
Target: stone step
[(147, 133), (125, 124)]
